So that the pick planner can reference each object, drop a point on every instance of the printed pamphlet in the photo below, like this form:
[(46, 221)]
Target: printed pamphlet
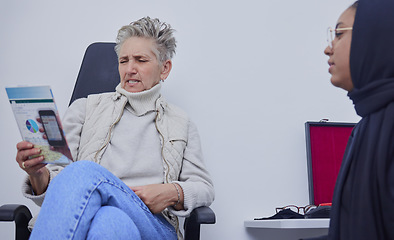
[(34, 108)]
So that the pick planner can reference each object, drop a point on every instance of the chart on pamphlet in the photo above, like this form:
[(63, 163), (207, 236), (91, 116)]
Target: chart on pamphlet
[(31, 125)]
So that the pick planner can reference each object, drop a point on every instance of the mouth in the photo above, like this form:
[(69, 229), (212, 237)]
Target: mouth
[(330, 64), (132, 82)]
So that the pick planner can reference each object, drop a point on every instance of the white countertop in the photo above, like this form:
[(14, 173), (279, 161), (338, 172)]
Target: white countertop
[(289, 223)]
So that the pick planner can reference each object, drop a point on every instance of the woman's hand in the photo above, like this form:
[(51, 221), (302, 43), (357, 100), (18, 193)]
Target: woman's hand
[(159, 196), (38, 174), (32, 166)]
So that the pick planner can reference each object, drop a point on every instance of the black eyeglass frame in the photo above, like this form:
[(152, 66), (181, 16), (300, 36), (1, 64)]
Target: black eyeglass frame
[(304, 209)]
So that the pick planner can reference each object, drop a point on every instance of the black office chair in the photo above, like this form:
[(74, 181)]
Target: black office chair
[(99, 73)]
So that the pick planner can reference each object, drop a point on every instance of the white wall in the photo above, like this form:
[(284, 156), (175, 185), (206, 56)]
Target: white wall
[(249, 73)]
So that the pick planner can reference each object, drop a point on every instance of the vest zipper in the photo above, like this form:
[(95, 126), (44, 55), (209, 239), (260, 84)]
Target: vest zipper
[(162, 149), (168, 169)]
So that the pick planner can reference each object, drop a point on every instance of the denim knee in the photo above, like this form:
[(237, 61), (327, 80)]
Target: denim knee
[(78, 173), (112, 223), (83, 168), (82, 165)]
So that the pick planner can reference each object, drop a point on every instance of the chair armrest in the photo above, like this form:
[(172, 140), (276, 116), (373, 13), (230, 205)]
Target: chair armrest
[(200, 215), (19, 214)]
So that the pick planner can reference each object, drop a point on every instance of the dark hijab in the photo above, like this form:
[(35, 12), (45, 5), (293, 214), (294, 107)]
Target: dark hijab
[(363, 202)]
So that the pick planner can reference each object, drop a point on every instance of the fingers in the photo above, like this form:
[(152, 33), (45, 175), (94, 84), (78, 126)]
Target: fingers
[(25, 154), (41, 129), (156, 196), (25, 150), (31, 163), (135, 189), (32, 168), (138, 191), (24, 145), (25, 157)]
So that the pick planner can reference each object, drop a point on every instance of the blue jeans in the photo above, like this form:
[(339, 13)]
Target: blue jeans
[(86, 201)]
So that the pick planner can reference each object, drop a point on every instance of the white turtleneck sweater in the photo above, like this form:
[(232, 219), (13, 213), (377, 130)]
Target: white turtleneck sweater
[(136, 137)]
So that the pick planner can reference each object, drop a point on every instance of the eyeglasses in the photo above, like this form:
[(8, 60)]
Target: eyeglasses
[(297, 209), (332, 33)]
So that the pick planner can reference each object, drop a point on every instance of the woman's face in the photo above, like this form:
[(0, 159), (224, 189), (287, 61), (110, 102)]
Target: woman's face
[(339, 54), (139, 68)]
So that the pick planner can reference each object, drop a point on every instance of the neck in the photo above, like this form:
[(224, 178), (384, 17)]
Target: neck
[(143, 102)]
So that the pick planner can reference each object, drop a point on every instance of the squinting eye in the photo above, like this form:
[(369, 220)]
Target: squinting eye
[(338, 34)]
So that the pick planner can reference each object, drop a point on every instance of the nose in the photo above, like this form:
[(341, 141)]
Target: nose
[(328, 51), (131, 68)]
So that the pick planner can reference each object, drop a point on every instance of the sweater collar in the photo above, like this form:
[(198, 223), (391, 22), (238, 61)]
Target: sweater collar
[(141, 103)]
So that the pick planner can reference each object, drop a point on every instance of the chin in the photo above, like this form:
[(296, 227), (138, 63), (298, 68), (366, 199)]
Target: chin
[(343, 86), (333, 82), (132, 90), (336, 83)]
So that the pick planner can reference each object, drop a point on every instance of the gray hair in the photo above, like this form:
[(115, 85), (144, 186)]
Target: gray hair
[(160, 32)]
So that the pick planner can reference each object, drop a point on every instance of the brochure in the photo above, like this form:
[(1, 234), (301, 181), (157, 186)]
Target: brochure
[(34, 108)]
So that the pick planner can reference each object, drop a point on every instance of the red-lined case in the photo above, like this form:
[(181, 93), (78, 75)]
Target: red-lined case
[(325, 144)]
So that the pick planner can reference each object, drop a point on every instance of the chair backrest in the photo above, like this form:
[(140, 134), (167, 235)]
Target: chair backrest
[(99, 71)]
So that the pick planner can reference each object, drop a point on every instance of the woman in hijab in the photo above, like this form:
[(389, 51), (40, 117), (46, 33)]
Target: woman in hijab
[(361, 60)]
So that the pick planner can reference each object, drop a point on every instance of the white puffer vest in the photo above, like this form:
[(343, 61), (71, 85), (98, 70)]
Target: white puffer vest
[(104, 110)]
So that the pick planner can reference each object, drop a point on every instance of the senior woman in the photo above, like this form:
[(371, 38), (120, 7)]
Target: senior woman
[(144, 162), (361, 60)]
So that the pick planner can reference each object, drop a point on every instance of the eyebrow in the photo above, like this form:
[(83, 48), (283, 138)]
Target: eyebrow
[(336, 26), (136, 56), (341, 23)]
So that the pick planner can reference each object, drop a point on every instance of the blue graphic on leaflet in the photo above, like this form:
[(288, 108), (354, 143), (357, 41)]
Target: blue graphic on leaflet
[(31, 125)]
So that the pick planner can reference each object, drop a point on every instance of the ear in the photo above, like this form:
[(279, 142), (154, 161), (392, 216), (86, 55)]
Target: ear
[(166, 69)]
